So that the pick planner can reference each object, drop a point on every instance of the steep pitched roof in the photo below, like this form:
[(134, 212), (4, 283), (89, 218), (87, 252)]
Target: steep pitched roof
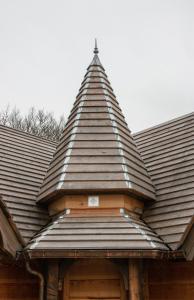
[(170, 216), (24, 159), (97, 151), (168, 153)]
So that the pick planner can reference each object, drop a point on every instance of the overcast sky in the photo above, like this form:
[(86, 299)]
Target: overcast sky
[(146, 47)]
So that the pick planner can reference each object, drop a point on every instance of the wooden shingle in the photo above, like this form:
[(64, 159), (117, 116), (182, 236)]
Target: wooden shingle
[(168, 153), (96, 134), (24, 159), (121, 232)]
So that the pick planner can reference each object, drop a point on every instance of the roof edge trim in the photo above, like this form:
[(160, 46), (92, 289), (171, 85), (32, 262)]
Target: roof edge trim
[(153, 254)]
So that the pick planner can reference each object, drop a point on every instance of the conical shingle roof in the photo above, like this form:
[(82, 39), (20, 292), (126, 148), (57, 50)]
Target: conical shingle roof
[(96, 152)]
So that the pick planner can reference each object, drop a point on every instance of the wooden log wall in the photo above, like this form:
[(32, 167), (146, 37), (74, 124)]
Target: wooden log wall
[(171, 280), (17, 284)]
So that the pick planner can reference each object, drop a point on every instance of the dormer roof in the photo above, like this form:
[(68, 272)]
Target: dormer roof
[(96, 152)]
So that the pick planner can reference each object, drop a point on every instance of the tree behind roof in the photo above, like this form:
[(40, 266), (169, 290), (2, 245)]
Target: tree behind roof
[(36, 121)]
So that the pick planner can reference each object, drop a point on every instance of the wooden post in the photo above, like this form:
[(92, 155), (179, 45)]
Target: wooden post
[(136, 280), (52, 281)]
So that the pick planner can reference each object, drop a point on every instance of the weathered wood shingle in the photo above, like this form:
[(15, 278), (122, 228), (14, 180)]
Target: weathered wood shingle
[(121, 232), (97, 151), (168, 153), (24, 159)]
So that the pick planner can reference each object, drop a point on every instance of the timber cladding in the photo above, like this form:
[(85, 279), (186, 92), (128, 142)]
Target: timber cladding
[(17, 284), (109, 279), (96, 279), (171, 280), (108, 201)]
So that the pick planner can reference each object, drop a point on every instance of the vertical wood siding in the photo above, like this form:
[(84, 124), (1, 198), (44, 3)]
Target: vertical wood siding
[(17, 284), (171, 280)]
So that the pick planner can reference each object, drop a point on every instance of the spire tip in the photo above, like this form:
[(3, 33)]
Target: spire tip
[(96, 47)]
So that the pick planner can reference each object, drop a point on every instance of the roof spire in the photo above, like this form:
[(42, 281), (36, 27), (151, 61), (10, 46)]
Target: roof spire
[(96, 47), (114, 164)]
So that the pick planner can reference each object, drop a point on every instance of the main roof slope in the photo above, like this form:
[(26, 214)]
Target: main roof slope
[(97, 151), (24, 159), (168, 152)]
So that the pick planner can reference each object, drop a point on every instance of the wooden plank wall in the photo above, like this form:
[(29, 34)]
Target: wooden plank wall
[(171, 280), (96, 279), (17, 284), (166, 280)]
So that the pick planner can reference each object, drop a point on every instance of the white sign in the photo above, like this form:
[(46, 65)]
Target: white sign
[(93, 201)]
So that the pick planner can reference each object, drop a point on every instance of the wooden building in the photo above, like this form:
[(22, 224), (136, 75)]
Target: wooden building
[(102, 215)]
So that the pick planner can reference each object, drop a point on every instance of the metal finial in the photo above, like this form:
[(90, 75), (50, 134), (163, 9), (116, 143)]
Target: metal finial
[(96, 47)]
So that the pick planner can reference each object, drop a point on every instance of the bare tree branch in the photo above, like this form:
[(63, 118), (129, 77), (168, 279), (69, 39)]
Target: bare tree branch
[(37, 122)]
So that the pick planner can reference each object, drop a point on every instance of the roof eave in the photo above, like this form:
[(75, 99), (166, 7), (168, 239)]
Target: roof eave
[(107, 253), (47, 199)]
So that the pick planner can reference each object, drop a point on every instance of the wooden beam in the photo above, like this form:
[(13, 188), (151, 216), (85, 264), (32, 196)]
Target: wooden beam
[(52, 281), (79, 204), (52, 253), (8, 241), (188, 245), (136, 277)]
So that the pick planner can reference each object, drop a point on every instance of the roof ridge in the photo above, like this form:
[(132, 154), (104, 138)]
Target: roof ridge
[(163, 123)]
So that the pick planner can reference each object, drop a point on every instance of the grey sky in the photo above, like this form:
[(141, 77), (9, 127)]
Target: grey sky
[(146, 47)]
